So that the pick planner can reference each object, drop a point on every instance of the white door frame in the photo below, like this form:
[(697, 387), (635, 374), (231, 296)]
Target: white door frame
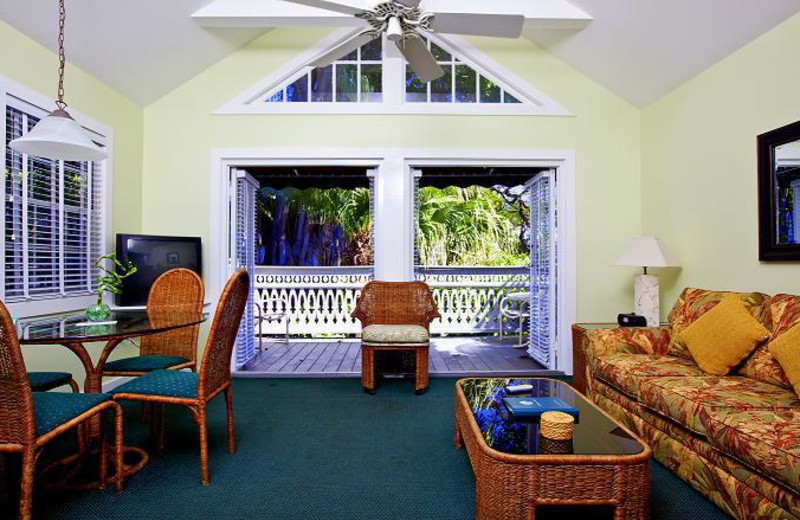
[(394, 208)]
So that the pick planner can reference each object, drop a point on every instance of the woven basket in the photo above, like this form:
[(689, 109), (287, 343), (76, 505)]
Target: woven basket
[(557, 425)]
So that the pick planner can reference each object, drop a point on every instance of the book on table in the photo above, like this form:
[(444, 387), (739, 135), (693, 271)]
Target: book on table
[(534, 407)]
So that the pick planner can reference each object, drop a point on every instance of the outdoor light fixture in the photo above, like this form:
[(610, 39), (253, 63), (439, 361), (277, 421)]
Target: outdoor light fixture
[(57, 135)]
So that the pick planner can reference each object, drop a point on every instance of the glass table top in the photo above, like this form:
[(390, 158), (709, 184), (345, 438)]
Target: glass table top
[(75, 327), (595, 434)]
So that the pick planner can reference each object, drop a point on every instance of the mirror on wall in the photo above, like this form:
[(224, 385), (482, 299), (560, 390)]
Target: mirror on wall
[(779, 194)]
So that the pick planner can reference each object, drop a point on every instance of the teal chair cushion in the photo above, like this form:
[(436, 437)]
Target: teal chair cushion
[(52, 409), (44, 381), (144, 363), (170, 383)]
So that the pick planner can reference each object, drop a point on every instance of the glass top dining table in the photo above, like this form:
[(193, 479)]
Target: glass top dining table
[(75, 328)]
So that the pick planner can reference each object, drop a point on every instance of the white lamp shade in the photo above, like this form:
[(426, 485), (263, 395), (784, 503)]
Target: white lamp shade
[(58, 136), (646, 252)]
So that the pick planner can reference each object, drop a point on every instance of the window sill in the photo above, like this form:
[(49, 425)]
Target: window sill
[(43, 307)]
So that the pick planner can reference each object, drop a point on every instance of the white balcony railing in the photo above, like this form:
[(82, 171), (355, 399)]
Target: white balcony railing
[(319, 300)]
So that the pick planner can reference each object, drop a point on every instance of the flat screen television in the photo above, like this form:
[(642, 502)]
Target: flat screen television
[(154, 255)]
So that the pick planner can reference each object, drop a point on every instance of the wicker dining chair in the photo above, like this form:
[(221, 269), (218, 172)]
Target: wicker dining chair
[(29, 420), (46, 381), (196, 390), (395, 316), (179, 290)]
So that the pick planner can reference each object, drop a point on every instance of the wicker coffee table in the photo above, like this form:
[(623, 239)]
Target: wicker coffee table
[(517, 470)]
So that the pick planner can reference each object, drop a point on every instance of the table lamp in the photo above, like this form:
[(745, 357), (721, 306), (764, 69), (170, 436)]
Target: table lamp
[(646, 252)]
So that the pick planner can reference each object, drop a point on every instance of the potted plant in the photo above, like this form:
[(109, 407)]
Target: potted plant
[(109, 281)]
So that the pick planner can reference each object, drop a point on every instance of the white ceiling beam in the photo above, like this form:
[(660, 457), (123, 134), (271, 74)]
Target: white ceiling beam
[(541, 14)]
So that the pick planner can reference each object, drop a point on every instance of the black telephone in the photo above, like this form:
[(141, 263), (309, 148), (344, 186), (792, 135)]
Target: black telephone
[(631, 320)]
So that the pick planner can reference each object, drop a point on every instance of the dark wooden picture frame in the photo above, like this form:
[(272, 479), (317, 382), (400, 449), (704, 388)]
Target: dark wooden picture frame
[(769, 250)]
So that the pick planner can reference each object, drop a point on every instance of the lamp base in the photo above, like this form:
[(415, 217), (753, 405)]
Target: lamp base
[(646, 298)]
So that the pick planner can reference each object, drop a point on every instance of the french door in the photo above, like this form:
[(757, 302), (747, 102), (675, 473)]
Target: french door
[(544, 270), (242, 255)]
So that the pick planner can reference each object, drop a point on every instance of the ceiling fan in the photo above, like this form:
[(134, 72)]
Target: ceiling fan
[(405, 23)]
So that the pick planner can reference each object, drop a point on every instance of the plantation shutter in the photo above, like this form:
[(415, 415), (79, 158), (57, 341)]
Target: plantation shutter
[(53, 211), (418, 269), (245, 257), (543, 270)]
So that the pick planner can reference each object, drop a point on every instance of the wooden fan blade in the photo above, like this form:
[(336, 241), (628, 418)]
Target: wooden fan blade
[(420, 59), (340, 6), (344, 49), (479, 24)]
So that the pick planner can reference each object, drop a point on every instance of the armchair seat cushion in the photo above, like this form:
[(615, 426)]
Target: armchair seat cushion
[(144, 363), (399, 334), (625, 372), (44, 381), (170, 383), (766, 440), (687, 400), (52, 409)]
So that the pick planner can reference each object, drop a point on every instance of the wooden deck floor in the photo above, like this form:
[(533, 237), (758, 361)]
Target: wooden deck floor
[(449, 357)]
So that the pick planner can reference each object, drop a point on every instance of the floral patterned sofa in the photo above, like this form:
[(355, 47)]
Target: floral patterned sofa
[(736, 439)]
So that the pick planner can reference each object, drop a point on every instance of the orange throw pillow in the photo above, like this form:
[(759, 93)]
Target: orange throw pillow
[(723, 337), (786, 349)]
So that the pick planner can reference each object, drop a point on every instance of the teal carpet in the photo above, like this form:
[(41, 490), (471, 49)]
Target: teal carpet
[(311, 449)]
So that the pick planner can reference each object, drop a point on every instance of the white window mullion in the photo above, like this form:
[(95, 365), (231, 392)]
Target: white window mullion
[(394, 74), (60, 224)]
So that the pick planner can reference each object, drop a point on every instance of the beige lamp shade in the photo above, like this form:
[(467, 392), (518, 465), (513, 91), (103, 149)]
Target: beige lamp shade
[(646, 252)]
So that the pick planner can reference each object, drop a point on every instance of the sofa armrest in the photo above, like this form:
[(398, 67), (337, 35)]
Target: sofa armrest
[(632, 340)]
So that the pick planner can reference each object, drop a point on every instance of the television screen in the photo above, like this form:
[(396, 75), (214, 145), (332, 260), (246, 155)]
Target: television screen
[(154, 255)]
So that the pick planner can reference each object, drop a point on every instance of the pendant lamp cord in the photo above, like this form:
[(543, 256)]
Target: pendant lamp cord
[(62, 59)]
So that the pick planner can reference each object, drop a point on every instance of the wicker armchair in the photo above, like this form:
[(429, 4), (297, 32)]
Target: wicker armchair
[(395, 316), (29, 420), (177, 290), (192, 390)]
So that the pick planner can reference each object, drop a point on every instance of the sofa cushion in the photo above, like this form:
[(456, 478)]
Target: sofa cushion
[(394, 334), (693, 303), (686, 400), (625, 371), (766, 440), (786, 349), (723, 337), (782, 313)]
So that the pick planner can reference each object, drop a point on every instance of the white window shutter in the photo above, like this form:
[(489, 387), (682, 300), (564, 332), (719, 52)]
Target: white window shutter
[(246, 188), (53, 211), (543, 270)]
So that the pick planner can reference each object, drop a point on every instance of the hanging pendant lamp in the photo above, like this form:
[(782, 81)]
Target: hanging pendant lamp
[(57, 135)]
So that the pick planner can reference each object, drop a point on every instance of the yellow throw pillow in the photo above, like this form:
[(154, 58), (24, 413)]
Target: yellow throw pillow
[(723, 337), (786, 349)]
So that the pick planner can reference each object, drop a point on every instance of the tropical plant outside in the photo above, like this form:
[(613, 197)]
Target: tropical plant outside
[(473, 226)]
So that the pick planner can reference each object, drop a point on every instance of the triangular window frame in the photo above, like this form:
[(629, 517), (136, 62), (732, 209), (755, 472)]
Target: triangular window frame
[(533, 102)]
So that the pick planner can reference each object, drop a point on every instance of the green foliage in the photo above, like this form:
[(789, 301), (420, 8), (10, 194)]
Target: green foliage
[(348, 208), (111, 280), (470, 226)]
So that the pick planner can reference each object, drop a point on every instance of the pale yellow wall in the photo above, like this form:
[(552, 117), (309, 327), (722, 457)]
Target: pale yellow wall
[(180, 132), (699, 166), (34, 67)]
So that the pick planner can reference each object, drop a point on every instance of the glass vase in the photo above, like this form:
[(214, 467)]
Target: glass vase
[(98, 312)]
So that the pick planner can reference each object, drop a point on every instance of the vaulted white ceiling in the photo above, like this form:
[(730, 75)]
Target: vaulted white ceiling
[(639, 49)]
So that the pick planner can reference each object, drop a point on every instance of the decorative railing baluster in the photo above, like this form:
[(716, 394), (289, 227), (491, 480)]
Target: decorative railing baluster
[(320, 299)]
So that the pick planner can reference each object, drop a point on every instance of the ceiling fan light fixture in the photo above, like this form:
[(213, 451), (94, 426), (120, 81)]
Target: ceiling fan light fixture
[(394, 29)]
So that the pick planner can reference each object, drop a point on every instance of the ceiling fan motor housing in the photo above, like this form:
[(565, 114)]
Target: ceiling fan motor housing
[(399, 21)]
